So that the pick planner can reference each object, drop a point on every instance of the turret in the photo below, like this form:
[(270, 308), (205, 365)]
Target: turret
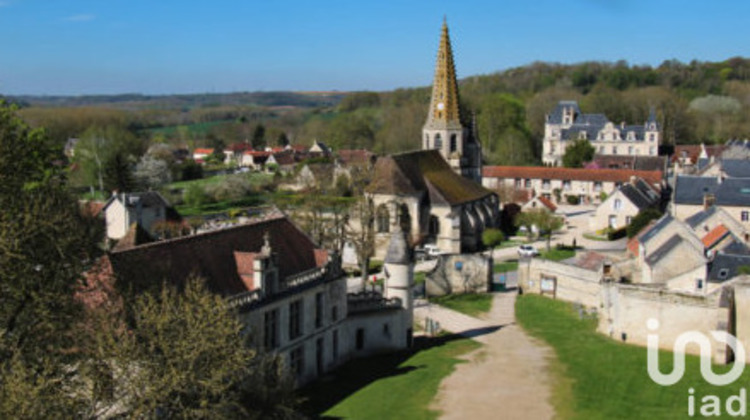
[(399, 270)]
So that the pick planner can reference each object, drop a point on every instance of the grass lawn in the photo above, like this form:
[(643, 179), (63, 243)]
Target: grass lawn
[(472, 304), (595, 237), (389, 386), (419, 277), (505, 266), (510, 243), (596, 377), (557, 254)]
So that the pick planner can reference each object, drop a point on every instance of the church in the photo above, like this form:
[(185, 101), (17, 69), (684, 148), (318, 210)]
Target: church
[(435, 194)]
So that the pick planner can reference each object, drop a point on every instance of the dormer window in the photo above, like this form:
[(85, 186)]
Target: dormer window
[(723, 273), (631, 136), (581, 135)]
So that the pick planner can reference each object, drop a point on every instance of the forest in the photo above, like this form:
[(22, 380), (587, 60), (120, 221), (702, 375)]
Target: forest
[(694, 102)]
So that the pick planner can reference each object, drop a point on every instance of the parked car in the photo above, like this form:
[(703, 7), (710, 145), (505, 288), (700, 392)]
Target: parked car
[(527, 251), (429, 252)]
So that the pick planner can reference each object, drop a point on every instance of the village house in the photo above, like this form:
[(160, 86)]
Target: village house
[(201, 153), (144, 209), (693, 194), (691, 158), (567, 123), (540, 202), (291, 296), (557, 184), (625, 203)]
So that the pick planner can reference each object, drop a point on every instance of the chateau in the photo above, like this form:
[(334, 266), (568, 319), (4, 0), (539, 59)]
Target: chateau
[(567, 124), (435, 195)]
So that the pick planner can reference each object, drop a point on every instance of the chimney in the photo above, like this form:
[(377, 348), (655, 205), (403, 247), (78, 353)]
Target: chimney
[(708, 200)]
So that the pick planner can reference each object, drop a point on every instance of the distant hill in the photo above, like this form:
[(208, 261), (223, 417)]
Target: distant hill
[(188, 101)]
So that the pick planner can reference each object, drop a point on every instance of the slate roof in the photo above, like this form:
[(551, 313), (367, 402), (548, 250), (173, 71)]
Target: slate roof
[(725, 266), (356, 157), (212, 256), (573, 174), (664, 250), (555, 117), (424, 171), (736, 168), (729, 192), (638, 198), (132, 200), (656, 228), (700, 217), (591, 124)]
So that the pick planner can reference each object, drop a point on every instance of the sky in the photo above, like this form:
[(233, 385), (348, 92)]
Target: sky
[(82, 47)]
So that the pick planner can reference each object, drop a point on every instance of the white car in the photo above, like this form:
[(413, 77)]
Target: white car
[(527, 251)]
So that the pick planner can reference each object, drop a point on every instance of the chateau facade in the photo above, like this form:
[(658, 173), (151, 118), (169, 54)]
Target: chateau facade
[(567, 123)]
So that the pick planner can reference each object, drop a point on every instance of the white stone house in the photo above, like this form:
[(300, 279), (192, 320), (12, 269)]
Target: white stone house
[(291, 296), (124, 209), (625, 203)]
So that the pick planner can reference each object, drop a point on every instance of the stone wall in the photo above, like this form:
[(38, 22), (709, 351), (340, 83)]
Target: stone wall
[(464, 273), (560, 281)]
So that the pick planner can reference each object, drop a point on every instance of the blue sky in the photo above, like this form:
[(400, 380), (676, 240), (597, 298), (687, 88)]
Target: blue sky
[(189, 46)]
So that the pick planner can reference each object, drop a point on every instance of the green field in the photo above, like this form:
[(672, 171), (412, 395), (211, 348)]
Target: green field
[(505, 266), (472, 304), (392, 386), (555, 254), (596, 377)]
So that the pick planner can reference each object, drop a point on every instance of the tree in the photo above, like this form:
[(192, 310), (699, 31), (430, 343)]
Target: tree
[(641, 220), (45, 243), (259, 137), (491, 238), (363, 235), (502, 128), (544, 221), (578, 153), (104, 157), (182, 353), (118, 173), (152, 173)]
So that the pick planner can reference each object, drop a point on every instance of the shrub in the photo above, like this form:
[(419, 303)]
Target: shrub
[(573, 199), (195, 196), (614, 234)]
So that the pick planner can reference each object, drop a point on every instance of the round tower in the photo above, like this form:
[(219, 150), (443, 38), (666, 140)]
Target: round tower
[(399, 270)]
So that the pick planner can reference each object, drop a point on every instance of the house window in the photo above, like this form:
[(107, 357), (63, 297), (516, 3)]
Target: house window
[(630, 150), (360, 342), (597, 186), (699, 284), (318, 309), (334, 313), (335, 344), (454, 143), (271, 329), (617, 205), (527, 183), (545, 184), (566, 185), (745, 216), (651, 137), (297, 360), (518, 182), (295, 319), (614, 150), (651, 151), (426, 141), (383, 219), (438, 141), (628, 219), (601, 149)]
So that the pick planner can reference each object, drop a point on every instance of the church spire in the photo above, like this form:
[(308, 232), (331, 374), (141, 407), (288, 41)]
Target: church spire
[(444, 111)]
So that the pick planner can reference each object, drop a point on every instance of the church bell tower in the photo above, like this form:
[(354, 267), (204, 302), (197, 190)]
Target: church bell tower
[(444, 130)]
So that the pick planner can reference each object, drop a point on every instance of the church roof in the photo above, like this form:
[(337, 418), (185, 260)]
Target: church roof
[(424, 171), (444, 106)]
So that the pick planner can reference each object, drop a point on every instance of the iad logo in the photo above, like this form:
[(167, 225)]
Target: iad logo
[(705, 348)]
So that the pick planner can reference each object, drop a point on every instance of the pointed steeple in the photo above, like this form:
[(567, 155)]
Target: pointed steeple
[(444, 110)]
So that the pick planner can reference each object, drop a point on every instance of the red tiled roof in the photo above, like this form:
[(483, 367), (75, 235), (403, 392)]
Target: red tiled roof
[(321, 257), (245, 261), (360, 156), (714, 236), (239, 147), (211, 255), (693, 151), (284, 158), (577, 174), (92, 208), (547, 203), (203, 151)]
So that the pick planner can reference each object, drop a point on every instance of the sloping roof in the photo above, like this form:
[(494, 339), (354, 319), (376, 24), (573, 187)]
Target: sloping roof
[(572, 174), (635, 162), (724, 267), (700, 217), (203, 151), (634, 242), (664, 250), (212, 256), (736, 168), (355, 157), (637, 197), (420, 171), (728, 192), (284, 158), (144, 199), (714, 236), (693, 151), (655, 228), (590, 261), (547, 203)]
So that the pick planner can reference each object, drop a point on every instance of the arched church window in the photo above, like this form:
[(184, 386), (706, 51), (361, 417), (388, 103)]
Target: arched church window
[(383, 219), (438, 141), (454, 143), (434, 226)]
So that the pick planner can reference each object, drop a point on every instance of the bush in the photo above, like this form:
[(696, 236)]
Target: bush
[(614, 234), (196, 196), (573, 199), (641, 220)]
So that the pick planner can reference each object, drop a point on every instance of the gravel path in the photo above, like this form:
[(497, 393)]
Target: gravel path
[(507, 378)]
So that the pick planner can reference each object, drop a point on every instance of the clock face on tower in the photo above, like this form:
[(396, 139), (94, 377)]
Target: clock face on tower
[(440, 106)]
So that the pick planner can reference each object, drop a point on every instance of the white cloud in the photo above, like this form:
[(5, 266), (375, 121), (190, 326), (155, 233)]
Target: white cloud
[(80, 18)]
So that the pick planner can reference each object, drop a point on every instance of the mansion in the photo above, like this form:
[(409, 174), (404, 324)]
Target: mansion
[(566, 124)]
